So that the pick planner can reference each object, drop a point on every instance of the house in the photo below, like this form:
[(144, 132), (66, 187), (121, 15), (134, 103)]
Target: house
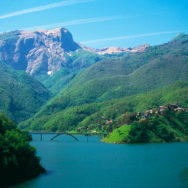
[(162, 108), (179, 109)]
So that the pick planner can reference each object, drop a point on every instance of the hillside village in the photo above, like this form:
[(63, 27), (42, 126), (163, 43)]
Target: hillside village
[(159, 110), (129, 117)]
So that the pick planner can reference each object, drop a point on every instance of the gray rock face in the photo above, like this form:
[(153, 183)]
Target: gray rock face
[(42, 50)]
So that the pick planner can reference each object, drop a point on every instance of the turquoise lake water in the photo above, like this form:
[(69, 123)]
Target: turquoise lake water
[(92, 164)]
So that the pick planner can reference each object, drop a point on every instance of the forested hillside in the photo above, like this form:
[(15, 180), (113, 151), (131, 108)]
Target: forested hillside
[(18, 161), (118, 77), (74, 63), (105, 116), (21, 96)]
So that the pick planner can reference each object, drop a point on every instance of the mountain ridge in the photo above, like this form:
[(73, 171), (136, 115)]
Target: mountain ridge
[(45, 50)]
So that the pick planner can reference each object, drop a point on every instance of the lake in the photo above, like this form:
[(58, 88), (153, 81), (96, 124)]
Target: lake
[(73, 164)]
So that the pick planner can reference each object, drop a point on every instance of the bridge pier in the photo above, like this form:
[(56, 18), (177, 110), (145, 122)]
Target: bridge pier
[(40, 136)]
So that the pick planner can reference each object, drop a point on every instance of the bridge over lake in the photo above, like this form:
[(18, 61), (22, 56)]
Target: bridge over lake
[(73, 135)]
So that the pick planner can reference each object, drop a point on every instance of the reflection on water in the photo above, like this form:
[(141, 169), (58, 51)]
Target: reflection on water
[(73, 164)]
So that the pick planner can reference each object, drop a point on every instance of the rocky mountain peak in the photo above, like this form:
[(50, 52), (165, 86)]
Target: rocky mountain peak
[(34, 51), (53, 32), (45, 50)]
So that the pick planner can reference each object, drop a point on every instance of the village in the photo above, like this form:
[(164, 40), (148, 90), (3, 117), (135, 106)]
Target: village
[(138, 116), (159, 110)]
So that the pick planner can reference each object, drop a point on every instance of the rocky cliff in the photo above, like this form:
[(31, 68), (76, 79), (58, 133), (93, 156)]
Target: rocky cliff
[(42, 50), (45, 51)]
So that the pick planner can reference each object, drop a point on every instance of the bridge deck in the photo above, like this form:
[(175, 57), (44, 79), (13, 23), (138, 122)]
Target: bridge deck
[(81, 134), (66, 133)]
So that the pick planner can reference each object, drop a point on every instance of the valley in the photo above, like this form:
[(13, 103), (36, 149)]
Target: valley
[(94, 94), (49, 83), (88, 90)]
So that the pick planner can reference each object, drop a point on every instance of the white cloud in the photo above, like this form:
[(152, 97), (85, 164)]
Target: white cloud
[(45, 7), (127, 37), (76, 22)]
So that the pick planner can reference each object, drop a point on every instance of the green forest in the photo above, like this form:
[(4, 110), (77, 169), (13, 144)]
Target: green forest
[(18, 161), (21, 95), (96, 116)]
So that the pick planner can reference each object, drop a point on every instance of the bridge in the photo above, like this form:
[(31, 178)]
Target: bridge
[(66, 133)]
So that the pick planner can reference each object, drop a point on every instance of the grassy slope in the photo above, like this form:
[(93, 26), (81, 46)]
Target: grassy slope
[(94, 115), (119, 135), (20, 95)]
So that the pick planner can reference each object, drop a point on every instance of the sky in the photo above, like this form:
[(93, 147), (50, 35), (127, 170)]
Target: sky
[(100, 23)]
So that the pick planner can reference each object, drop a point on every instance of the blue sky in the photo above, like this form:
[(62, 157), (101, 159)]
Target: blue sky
[(100, 23)]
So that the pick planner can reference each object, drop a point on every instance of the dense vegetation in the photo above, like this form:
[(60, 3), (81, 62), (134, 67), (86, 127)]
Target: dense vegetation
[(105, 116), (18, 161), (117, 77), (21, 96), (74, 63), (170, 126)]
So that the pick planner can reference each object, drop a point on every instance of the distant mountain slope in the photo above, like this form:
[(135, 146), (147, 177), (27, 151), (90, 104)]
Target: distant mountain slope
[(75, 62), (106, 115), (113, 50), (154, 68), (20, 95)]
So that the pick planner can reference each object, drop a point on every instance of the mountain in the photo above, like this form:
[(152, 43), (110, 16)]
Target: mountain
[(34, 52), (75, 62), (21, 96), (79, 75), (156, 67), (44, 53)]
